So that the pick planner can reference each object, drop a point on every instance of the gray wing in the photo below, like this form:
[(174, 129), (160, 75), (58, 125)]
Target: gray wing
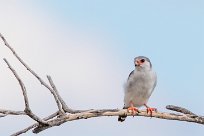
[(131, 73), (155, 81), (122, 117)]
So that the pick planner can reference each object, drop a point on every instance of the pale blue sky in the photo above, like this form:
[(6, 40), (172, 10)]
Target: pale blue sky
[(89, 46)]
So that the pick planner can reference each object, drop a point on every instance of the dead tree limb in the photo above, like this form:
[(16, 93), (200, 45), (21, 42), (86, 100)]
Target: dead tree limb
[(66, 114), (27, 109), (116, 112), (4, 112), (56, 95), (34, 125), (66, 108)]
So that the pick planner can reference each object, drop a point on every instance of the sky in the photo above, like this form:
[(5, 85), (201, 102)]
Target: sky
[(88, 48)]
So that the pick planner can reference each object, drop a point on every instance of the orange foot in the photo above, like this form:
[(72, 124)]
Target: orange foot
[(132, 109), (150, 110)]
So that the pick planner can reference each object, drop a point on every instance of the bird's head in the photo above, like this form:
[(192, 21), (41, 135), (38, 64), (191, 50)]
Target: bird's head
[(142, 63)]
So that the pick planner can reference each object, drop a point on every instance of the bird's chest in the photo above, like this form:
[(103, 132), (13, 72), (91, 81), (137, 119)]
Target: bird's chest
[(138, 89), (140, 83)]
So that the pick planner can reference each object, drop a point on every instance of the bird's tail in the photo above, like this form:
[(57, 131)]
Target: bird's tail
[(122, 118)]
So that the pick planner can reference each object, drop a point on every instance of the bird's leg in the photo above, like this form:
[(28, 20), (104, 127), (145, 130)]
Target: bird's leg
[(150, 110), (132, 109)]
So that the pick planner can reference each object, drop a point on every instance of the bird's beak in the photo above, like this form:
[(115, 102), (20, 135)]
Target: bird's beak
[(137, 63)]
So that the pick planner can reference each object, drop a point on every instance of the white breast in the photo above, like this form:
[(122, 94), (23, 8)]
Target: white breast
[(139, 87)]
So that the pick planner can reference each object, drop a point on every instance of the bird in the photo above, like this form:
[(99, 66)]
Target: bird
[(139, 87)]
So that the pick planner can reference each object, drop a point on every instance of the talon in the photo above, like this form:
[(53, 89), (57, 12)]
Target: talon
[(132, 109), (150, 110)]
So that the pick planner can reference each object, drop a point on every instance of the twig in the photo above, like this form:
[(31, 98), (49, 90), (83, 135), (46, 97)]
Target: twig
[(11, 112), (23, 88), (180, 109), (64, 106), (34, 125), (55, 94)]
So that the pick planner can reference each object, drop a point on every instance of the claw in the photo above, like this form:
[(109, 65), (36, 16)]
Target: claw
[(132, 109), (150, 110)]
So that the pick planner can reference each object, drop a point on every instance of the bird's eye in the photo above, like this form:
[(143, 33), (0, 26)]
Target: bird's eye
[(142, 60)]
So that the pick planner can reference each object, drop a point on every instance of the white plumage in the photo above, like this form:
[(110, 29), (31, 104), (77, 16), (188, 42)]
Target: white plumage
[(140, 84)]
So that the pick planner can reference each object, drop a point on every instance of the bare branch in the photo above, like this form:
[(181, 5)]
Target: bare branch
[(23, 88), (64, 106), (34, 125), (10, 112), (25, 130), (180, 109), (55, 94), (23, 63), (116, 112), (21, 84)]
